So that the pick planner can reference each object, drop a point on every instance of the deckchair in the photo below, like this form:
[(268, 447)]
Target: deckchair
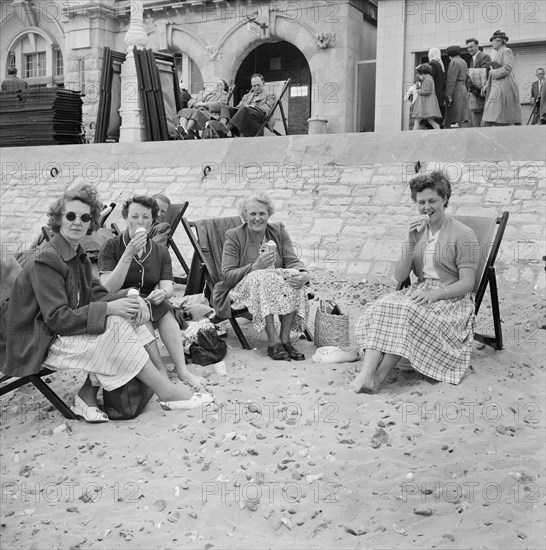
[(489, 232), (173, 217), (277, 104), (207, 260), (205, 270), (8, 273)]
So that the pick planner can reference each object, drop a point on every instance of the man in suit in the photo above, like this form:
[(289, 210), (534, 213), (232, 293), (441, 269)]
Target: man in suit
[(248, 116), (13, 83), (536, 90), (476, 102)]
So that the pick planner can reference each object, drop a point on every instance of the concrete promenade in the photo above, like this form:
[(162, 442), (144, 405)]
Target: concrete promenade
[(343, 197)]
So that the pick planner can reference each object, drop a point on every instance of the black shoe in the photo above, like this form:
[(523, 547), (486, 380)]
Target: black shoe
[(181, 131), (278, 353), (293, 352)]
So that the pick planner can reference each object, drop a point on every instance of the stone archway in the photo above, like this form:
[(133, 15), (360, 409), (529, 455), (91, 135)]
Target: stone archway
[(279, 61)]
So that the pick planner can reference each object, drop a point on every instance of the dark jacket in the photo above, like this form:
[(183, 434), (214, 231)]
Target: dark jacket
[(14, 84), (239, 254), (55, 294)]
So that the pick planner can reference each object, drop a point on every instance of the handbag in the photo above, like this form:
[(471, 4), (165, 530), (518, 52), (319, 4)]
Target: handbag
[(208, 347), (331, 326), (127, 401)]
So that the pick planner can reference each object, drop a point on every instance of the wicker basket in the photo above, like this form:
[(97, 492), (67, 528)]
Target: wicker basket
[(331, 330)]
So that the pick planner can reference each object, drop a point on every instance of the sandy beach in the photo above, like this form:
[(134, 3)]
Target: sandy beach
[(290, 459)]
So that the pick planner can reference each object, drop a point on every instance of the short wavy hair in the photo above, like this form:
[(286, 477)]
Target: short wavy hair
[(83, 192), (424, 68), (262, 198), (144, 200), (437, 181)]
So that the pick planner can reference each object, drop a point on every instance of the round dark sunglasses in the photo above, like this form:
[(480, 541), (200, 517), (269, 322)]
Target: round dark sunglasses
[(71, 216)]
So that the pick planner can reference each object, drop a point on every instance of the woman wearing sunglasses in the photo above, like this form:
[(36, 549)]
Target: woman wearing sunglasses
[(60, 316)]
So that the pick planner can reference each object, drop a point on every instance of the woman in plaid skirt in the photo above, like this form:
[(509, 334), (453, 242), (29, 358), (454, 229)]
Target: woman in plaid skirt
[(431, 323)]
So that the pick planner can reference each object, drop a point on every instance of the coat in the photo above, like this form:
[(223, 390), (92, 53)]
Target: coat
[(439, 78), (238, 255), (426, 105), (55, 294), (456, 92), (214, 100), (475, 100), (502, 104)]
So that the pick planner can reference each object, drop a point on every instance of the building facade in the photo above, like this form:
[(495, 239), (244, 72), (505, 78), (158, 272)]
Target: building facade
[(407, 29), (349, 61), (317, 44)]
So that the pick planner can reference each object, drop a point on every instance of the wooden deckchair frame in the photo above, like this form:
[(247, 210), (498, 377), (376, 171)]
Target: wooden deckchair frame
[(173, 217), (10, 383), (487, 277), (278, 103), (206, 279)]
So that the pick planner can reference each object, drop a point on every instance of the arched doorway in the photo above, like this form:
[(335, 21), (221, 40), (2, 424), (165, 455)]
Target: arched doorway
[(279, 61)]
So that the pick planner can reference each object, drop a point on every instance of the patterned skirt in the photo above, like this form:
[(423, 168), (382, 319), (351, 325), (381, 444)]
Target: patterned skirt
[(111, 358), (266, 292), (437, 339)]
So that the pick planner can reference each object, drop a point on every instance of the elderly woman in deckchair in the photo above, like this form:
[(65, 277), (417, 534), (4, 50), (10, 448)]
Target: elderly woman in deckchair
[(260, 271)]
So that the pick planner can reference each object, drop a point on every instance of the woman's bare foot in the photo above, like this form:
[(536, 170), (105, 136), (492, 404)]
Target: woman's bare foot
[(194, 381), (364, 381)]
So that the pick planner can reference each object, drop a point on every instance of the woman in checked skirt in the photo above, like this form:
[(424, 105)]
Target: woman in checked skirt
[(431, 323)]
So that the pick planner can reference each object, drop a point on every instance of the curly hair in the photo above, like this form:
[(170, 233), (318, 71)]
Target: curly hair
[(83, 192), (144, 200), (437, 181), (262, 198), (424, 68)]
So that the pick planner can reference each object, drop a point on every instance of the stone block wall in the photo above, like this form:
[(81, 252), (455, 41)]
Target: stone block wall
[(344, 198)]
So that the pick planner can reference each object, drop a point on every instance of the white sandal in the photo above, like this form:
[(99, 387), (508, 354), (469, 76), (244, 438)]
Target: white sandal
[(87, 412), (194, 402)]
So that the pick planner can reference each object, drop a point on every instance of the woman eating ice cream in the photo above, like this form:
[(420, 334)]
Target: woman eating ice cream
[(260, 271), (431, 323)]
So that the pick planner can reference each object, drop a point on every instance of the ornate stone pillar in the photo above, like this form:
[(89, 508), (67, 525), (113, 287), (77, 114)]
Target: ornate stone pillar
[(132, 122)]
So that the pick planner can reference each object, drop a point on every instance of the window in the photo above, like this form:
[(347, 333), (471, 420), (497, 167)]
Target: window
[(59, 64), (35, 64)]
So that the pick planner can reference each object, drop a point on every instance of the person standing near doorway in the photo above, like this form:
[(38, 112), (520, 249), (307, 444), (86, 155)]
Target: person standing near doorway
[(13, 83)]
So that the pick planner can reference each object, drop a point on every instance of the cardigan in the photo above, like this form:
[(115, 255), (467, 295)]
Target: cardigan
[(240, 252), (457, 247), (55, 294)]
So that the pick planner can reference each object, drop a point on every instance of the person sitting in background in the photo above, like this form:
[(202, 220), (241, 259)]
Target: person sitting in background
[(431, 323), (60, 316), (260, 271), (133, 260), (13, 83), (160, 230), (185, 96), (248, 116), (204, 107), (426, 106)]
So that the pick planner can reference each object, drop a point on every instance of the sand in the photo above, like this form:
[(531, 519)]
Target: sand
[(291, 459)]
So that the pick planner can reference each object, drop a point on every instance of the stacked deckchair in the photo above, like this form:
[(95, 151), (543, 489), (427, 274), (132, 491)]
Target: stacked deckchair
[(40, 116)]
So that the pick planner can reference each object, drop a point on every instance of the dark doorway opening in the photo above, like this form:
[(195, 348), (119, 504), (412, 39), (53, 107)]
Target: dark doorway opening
[(278, 61)]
